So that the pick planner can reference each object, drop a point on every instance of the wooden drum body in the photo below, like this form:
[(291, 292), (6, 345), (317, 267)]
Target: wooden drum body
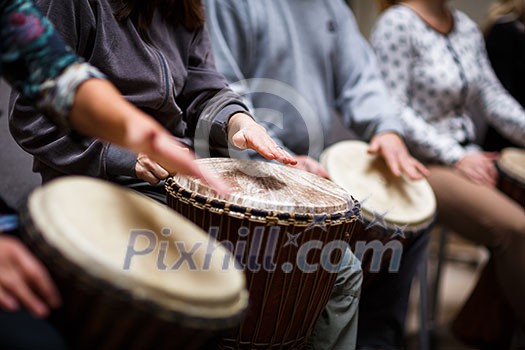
[(511, 167), (84, 231), (286, 229), (395, 210)]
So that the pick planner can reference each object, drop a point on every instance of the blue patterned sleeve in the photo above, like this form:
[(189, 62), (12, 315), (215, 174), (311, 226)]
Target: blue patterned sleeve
[(36, 62)]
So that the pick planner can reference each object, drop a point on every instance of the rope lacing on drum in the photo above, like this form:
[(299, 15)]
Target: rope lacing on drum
[(269, 217)]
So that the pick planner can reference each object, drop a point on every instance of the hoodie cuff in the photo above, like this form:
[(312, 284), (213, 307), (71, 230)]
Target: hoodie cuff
[(119, 162), (219, 127)]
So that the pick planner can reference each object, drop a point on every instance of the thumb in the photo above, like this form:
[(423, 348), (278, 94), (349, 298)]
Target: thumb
[(374, 147), (239, 140)]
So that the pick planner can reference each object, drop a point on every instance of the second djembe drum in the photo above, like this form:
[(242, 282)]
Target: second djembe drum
[(395, 211), (287, 229), (117, 259), (511, 167)]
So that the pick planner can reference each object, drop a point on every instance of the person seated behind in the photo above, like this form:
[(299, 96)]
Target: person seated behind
[(295, 62), (505, 42), (433, 59)]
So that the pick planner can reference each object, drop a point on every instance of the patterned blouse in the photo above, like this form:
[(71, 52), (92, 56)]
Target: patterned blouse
[(36, 62), (440, 81)]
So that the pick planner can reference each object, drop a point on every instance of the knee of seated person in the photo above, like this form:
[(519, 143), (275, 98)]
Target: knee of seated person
[(519, 227), (508, 233), (350, 276), (517, 232)]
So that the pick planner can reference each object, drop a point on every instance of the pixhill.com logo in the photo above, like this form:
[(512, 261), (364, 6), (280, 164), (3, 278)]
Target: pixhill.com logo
[(256, 249)]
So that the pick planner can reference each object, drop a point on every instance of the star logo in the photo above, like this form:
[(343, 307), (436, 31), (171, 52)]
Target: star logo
[(399, 232), (319, 221), (292, 239), (365, 199), (313, 225), (379, 220), (360, 218)]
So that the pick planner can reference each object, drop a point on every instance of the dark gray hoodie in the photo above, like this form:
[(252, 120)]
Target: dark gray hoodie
[(169, 73)]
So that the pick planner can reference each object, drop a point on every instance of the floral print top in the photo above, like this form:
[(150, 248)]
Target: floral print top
[(440, 81), (36, 62)]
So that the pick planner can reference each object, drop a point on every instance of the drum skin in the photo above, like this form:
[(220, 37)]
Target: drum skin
[(272, 212), (106, 307), (511, 168), (395, 211)]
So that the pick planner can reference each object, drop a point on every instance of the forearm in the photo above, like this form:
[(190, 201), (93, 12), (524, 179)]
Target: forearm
[(427, 143), (100, 111), (63, 152), (502, 110)]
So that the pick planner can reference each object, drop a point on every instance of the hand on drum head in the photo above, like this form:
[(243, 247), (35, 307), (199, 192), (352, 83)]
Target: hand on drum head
[(24, 281), (479, 168), (312, 166), (393, 149), (245, 133)]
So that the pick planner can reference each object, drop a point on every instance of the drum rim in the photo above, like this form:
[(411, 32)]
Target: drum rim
[(344, 198), (231, 209), (367, 214), (85, 279), (410, 229), (36, 221), (504, 168)]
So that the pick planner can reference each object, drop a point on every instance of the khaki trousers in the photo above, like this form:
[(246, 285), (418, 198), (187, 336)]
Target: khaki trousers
[(486, 216)]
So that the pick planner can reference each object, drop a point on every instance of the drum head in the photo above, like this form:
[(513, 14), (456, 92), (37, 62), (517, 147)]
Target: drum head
[(512, 162), (369, 179), (90, 223), (270, 186)]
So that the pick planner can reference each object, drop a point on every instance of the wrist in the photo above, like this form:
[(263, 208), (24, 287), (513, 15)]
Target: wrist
[(237, 122), (238, 119)]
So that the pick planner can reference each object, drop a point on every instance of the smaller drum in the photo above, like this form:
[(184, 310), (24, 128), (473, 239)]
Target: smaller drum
[(286, 227), (511, 167), (115, 256), (395, 210)]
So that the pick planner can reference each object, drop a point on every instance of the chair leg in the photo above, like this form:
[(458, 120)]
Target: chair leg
[(436, 284), (424, 330)]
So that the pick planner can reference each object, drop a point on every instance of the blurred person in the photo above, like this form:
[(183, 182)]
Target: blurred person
[(505, 41), (434, 61), (285, 55)]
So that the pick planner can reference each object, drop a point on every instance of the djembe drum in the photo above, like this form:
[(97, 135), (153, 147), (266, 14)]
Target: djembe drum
[(114, 256), (286, 228), (395, 210), (511, 168)]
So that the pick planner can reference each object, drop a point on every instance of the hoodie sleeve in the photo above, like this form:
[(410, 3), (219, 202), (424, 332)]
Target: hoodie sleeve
[(207, 99), (50, 145)]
